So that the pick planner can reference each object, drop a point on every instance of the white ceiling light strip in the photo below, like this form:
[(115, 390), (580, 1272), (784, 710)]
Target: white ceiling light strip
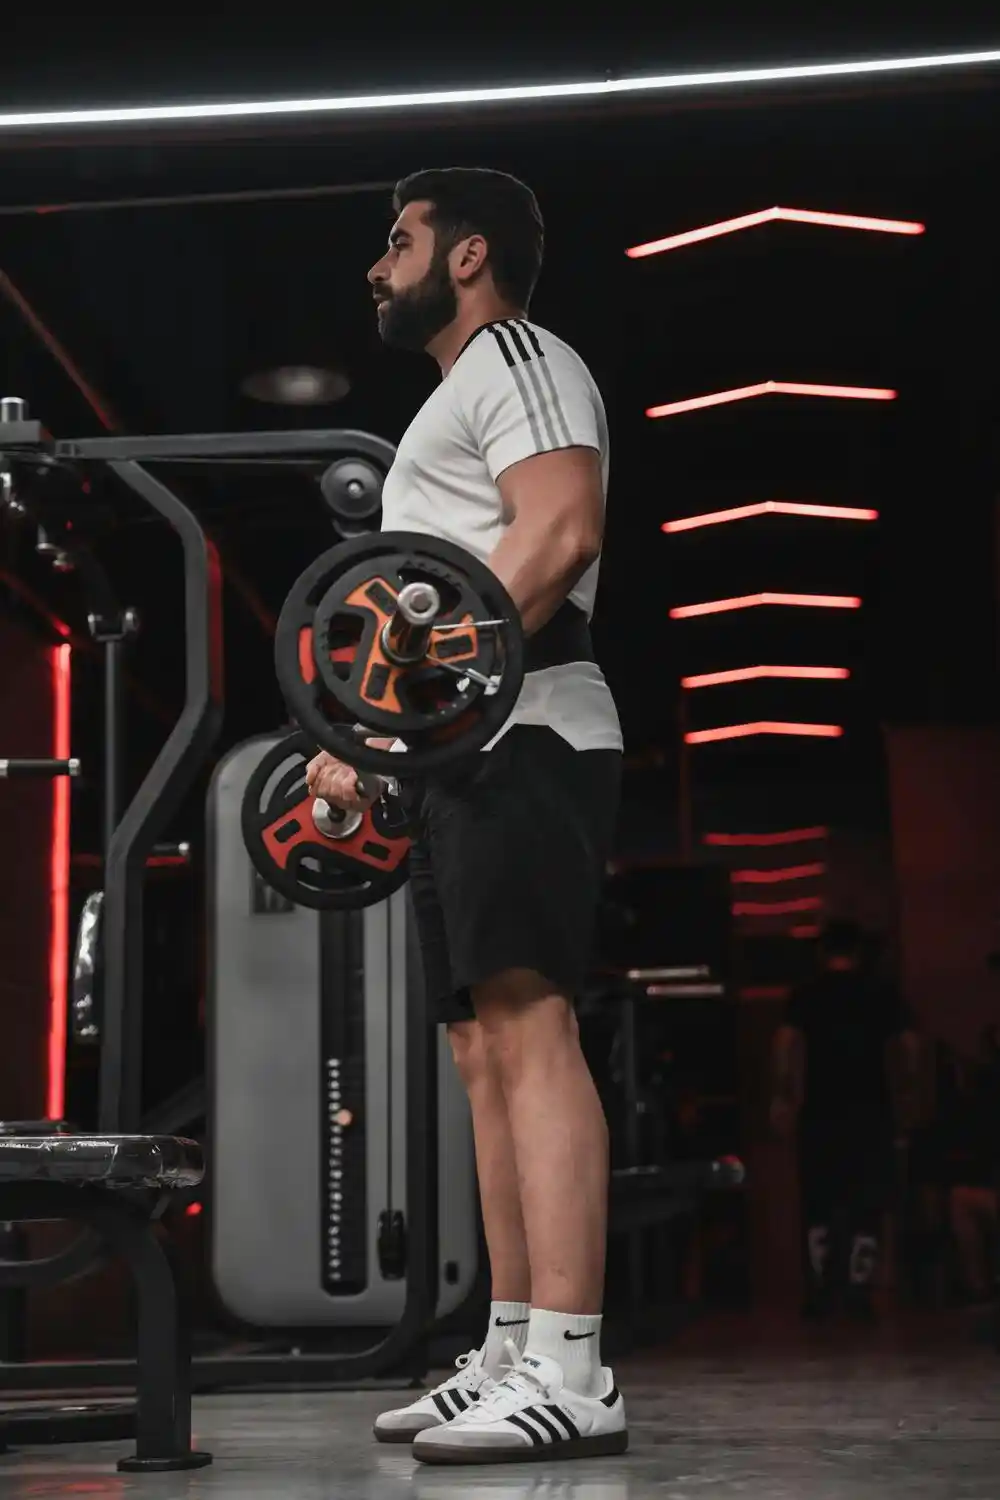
[(444, 98)]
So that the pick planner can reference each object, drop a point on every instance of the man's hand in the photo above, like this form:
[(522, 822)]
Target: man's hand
[(337, 782)]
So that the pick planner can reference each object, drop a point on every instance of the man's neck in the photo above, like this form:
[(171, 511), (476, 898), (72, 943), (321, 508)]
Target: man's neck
[(452, 340)]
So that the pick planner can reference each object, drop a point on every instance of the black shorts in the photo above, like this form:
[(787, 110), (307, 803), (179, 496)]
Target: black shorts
[(508, 861)]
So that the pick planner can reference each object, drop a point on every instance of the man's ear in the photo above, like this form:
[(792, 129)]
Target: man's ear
[(468, 258)]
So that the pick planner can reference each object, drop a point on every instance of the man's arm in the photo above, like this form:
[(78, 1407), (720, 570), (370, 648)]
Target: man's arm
[(535, 416), (555, 505)]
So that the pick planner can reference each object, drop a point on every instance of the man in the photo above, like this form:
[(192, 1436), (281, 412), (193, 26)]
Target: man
[(832, 1076), (973, 1149), (509, 458)]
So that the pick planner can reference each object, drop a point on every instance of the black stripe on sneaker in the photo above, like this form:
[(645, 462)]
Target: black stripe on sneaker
[(459, 1400), (537, 1415), (443, 1407), (612, 1398), (572, 1431), (518, 1421), (516, 362)]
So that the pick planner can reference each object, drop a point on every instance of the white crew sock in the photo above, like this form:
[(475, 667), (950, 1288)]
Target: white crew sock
[(573, 1341), (508, 1320)]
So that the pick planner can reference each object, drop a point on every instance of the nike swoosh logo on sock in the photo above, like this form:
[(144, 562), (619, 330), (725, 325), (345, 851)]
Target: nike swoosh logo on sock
[(573, 1337), (510, 1322)]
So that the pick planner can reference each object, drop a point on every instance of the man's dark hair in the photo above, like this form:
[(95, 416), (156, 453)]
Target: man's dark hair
[(477, 200)]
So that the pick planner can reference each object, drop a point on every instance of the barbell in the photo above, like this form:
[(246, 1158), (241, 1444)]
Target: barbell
[(408, 636), (396, 636)]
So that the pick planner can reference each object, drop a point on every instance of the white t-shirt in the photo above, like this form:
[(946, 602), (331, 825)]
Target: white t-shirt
[(514, 391)]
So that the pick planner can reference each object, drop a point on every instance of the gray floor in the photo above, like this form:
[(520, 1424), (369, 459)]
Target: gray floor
[(735, 1412)]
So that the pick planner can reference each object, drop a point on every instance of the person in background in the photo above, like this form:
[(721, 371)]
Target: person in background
[(832, 1083), (974, 1170)]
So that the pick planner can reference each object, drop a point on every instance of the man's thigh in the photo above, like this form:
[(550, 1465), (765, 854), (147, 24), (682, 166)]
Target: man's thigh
[(518, 842)]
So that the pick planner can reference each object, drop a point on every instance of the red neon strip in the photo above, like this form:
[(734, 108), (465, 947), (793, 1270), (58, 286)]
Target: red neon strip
[(751, 601), (777, 877), (765, 840), (752, 674), (776, 908), (809, 930), (770, 216), (773, 388), (772, 508), (762, 726), (59, 887)]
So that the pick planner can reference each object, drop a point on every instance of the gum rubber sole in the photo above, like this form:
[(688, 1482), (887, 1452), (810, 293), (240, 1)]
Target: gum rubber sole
[(589, 1447)]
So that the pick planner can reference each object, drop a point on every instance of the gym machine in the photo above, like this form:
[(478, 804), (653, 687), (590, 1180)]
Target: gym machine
[(24, 449), (311, 1017)]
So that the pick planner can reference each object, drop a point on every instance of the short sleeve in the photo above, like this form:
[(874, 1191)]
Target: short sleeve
[(520, 395)]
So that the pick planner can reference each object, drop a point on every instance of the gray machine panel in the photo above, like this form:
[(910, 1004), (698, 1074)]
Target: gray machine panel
[(272, 1245)]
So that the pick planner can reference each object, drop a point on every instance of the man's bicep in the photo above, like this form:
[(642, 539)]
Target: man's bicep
[(563, 487)]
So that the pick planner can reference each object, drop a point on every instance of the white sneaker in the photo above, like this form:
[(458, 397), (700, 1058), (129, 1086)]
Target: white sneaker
[(530, 1415), (434, 1408)]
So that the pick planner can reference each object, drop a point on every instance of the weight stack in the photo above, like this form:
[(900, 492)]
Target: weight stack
[(307, 1087)]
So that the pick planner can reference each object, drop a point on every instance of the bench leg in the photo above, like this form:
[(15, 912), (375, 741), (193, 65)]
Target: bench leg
[(163, 1380)]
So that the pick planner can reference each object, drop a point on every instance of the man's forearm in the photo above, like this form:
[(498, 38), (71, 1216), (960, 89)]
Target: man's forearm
[(539, 569)]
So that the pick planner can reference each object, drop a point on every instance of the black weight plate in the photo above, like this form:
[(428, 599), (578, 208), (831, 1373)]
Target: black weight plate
[(437, 714), (303, 864), (304, 692)]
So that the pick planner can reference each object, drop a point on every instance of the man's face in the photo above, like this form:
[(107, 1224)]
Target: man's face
[(412, 284)]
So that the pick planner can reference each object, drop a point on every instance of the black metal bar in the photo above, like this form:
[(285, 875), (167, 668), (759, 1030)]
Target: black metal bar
[(180, 200), (170, 777), (225, 446), (84, 643), (42, 768), (13, 1302), (113, 651), (163, 1389), (78, 1259)]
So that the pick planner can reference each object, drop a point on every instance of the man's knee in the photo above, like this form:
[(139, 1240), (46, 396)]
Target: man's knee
[(468, 1048), (521, 1014)]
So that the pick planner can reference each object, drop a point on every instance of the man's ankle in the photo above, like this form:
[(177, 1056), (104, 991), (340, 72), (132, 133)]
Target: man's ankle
[(573, 1340), (508, 1325)]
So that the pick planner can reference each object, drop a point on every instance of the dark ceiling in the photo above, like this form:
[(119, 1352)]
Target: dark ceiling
[(167, 307)]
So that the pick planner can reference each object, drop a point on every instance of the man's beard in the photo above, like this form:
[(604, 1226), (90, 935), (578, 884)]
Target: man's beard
[(410, 319)]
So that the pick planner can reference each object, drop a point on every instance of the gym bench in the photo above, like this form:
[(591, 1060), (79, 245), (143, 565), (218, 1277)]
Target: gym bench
[(117, 1187)]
